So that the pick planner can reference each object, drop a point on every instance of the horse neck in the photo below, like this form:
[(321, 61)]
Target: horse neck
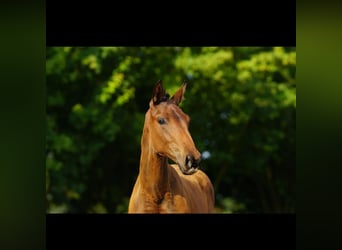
[(153, 168)]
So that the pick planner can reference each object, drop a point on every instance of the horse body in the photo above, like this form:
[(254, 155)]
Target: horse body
[(169, 188)]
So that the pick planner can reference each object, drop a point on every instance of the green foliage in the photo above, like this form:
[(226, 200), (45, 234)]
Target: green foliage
[(242, 104)]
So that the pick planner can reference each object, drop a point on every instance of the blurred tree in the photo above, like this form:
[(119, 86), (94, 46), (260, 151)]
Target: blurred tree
[(242, 104), (245, 120)]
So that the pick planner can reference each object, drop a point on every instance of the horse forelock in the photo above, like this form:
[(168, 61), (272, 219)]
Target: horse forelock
[(165, 98)]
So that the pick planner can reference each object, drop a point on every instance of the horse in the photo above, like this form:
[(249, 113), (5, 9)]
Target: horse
[(161, 187)]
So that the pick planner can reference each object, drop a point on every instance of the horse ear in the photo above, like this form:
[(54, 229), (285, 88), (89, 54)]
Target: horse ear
[(158, 93), (179, 95)]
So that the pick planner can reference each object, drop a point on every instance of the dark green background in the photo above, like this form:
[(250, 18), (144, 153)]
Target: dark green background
[(242, 105)]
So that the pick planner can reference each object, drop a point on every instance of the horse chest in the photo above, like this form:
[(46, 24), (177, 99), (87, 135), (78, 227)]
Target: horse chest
[(169, 203), (173, 204)]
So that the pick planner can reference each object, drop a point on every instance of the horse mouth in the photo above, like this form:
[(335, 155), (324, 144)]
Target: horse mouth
[(189, 171), (190, 167)]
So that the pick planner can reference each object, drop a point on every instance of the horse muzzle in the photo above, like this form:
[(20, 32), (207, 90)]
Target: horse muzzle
[(191, 164)]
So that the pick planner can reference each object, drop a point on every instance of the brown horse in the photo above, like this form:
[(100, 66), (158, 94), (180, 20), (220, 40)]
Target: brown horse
[(161, 187)]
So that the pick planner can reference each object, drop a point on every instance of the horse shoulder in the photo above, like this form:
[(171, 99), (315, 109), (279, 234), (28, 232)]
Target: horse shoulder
[(208, 189), (203, 180), (196, 186), (199, 181)]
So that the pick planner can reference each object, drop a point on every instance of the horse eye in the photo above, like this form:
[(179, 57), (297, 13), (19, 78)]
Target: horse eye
[(161, 120)]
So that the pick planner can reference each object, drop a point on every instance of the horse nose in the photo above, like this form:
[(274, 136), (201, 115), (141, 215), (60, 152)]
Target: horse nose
[(196, 162), (191, 162)]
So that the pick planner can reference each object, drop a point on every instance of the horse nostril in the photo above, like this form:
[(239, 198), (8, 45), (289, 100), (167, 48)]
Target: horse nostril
[(191, 162), (196, 163), (188, 160)]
